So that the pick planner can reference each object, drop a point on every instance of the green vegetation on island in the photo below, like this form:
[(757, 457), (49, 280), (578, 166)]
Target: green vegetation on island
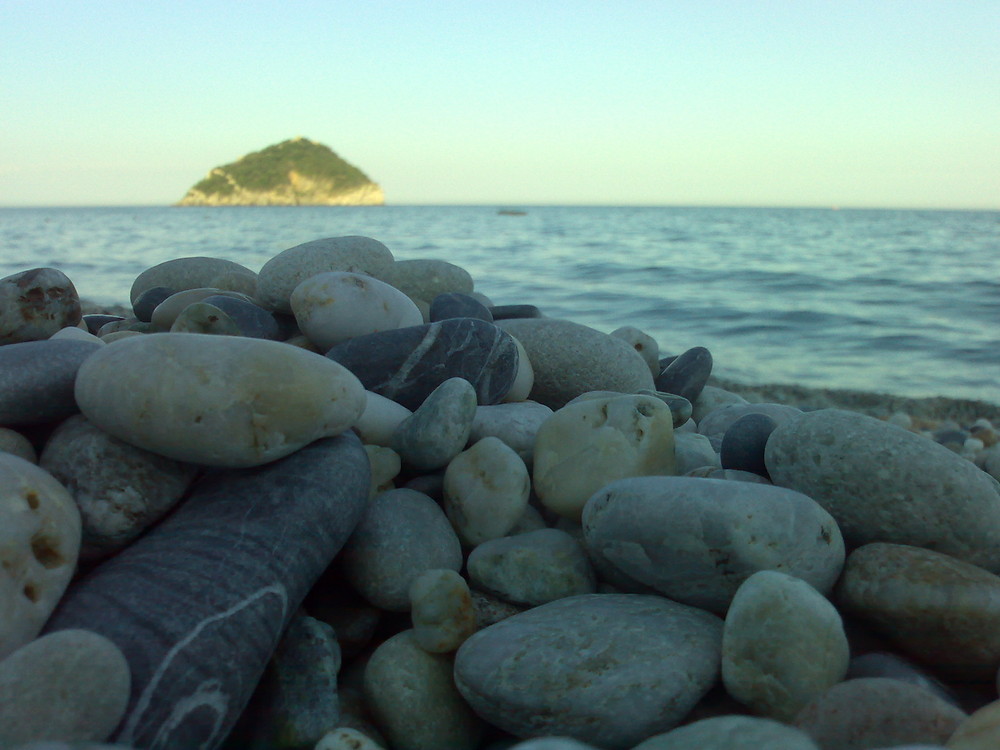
[(293, 172)]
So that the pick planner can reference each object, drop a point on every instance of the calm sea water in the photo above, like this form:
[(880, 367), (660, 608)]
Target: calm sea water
[(904, 302)]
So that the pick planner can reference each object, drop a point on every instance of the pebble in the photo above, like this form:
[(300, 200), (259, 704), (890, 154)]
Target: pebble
[(439, 429), (181, 274), (458, 305), (569, 359), (693, 451), (35, 304), (74, 333), (939, 609), (201, 317), (516, 424), (39, 544), (731, 733), (712, 398), (643, 343), (167, 313), (875, 712), (93, 323), (524, 380), (506, 312), (490, 610), (585, 445), (18, 444), (147, 301), (783, 644), (251, 320), (217, 401), (441, 610), (401, 534), (198, 603), (697, 540), (406, 364), (717, 422), (413, 697), (981, 731), (532, 568), (69, 686), (425, 278), (551, 743), (608, 669), (379, 420), (335, 306), (37, 380), (884, 484), (385, 467), (687, 374), (346, 738), (119, 489), (486, 491), (886, 664), (743, 443)]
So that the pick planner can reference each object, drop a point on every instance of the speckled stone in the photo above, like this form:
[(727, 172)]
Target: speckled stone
[(439, 429), (35, 304), (885, 484), (569, 359), (783, 644), (71, 686), (610, 669), (458, 305), (939, 609), (426, 278), (401, 534), (486, 491), (731, 733), (643, 343), (743, 443), (515, 424), (37, 379), (442, 611), (39, 543), (490, 610), (195, 272), (335, 306), (877, 712), (120, 489), (196, 607), (413, 697), (406, 364), (585, 445), (687, 374), (218, 401), (697, 540), (16, 443), (532, 568), (289, 268)]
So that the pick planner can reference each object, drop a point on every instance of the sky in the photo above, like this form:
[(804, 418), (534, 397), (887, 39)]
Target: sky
[(852, 103)]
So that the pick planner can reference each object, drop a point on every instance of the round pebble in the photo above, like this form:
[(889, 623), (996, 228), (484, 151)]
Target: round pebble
[(35, 304), (743, 443), (439, 429), (441, 610)]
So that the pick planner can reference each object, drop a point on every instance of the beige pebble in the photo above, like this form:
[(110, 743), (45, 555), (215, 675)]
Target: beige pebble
[(346, 738), (16, 443), (441, 609)]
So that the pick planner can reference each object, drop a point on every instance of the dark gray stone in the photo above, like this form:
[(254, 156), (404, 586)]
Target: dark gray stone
[(37, 378), (458, 305), (687, 374), (198, 604), (95, 321), (505, 312), (146, 302), (886, 664), (406, 364), (744, 441), (252, 320)]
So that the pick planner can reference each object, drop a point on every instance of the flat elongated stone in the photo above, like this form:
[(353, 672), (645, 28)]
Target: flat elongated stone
[(252, 320), (195, 272), (458, 305), (439, 429), (687, 374), (610, 669), (199, 603), (885, 484), (35, 304), (216, 400), (289, 268), (37, 378), (941, 610), (406, 364), (72, 685), (39, 543), (569, 359), (697, 540), (731, 733)]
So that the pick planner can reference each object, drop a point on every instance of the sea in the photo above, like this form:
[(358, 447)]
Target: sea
[(905, 302)]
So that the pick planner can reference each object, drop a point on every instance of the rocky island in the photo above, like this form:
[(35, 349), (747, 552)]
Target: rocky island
[(296, 172)]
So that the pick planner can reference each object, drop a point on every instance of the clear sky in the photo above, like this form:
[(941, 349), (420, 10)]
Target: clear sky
[(884, 103)]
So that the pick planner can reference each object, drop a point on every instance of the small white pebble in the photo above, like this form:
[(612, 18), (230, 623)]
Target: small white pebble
[(901, 419), (347, 739)]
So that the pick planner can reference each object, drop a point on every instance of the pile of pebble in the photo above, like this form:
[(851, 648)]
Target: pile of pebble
[(348, 502)]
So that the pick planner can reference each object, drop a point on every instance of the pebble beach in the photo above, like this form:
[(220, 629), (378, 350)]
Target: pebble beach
[(349, 502)]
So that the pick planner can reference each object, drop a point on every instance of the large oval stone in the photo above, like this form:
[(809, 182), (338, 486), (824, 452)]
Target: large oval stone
[(406, 364), (217, 400), (610, 669), (195, 272), (37, 379), (885, 484), (569, 359), (943, 611), (35, 304), (696, 540), (289, 268), (199, 603)]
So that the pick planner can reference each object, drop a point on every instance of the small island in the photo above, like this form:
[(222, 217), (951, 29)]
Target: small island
[(296, 172)]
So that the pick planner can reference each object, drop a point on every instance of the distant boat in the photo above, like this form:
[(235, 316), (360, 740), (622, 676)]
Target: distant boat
[(511, 212)]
